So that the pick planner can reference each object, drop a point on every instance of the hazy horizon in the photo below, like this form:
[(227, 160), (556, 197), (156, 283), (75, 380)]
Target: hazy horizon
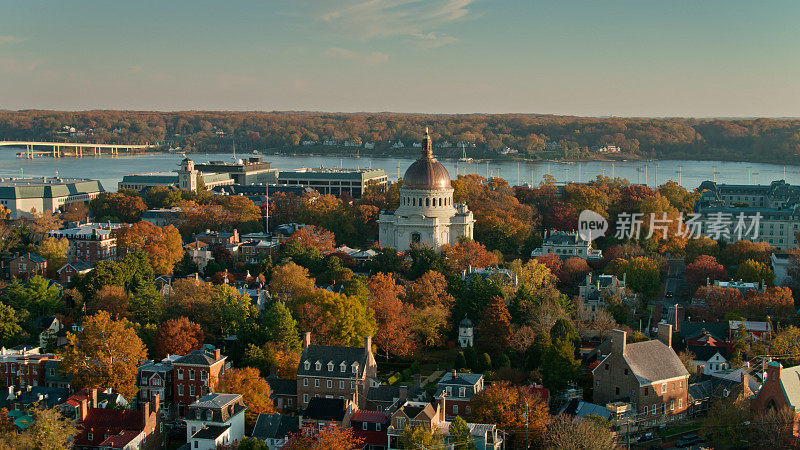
[(621, 58)]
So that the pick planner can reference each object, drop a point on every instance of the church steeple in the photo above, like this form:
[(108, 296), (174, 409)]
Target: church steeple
[(427, 145)]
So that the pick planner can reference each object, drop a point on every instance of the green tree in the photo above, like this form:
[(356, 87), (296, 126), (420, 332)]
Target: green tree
[(420, 436), (756, 272), (485, 362), (278, 325), (559, 365), (233, 313), (460, 436), (147, 305), (37, 296), (10, 330), (725, 424)]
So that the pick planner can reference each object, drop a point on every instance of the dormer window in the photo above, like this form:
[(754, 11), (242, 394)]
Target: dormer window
[(307, 365), (343, 367), (330, 366), (355, 367), (318, 366)]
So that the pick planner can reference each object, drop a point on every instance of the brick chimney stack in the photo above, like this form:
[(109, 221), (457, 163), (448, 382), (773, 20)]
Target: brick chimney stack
[(618, 341), (93, 394), (665, 334), (217, 354), (306, 339), (156, 402), (84, 410), (368, 345)]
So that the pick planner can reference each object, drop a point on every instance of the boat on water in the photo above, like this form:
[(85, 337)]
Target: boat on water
[(464, 158)]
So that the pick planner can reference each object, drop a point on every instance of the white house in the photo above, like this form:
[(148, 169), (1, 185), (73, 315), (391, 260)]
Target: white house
[(215, 420)]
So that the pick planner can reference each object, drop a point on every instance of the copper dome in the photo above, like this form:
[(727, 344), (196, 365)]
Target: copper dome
[(426, 172)]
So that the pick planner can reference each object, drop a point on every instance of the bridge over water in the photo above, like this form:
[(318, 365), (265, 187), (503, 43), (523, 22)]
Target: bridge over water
[(74, 149)]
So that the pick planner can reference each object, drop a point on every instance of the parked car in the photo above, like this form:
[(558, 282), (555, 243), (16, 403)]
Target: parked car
[(688, 440)]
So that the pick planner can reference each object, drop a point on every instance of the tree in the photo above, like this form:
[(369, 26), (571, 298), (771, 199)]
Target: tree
[(755, 272), (75, 212), (117, 207), (565, 431), (10, 329), (251, 443), (495, 328), (290, 282), (532, 275), (468, 253), (113, 299), (430, 324), (316, 237), (36, 296), (515, 410), (336, 319), (105, 354), (460, 436), (420, 436), (147, 304), (231, 312), (787, 342), (50, 431), (279, 325), (429, 290), (725, 424), (573, 271), (704, 268), (255, 391), (559, 365), (178, 337), (331, 437), (643, 275), (192, 299), (392, 316), (163, 246), (162, 197), (719, 300), (55, 252)]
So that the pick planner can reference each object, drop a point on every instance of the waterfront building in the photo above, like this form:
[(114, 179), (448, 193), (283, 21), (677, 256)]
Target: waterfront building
[(21, 196), (731, 210), (252, 170), (567, 245), (335, 181), (186, 177), (427, 214)]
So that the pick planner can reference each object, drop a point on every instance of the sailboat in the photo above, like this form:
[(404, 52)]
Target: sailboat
[(464, 157)]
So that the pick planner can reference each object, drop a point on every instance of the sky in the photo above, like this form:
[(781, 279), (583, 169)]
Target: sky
[(655, 58)]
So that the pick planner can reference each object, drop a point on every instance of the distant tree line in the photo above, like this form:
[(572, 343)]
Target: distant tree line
[(534, 136)]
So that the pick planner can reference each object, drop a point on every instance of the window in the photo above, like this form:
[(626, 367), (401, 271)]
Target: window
[(307, 365), (195, 444), (355, 365), (626, 371), (606, 366), (341, 384), (377, 427), (664, 388), (180, 389), (180, 374), (197, 414), (330, 384), (364, 426), (191, 390), (343, 367), (352, 385), (680, 403), (305, 381), (316, 382), (448, 391), (645, 409), (616, 390), (191, 374), (289, 401), (468, 410), (330, 366), (305, 398), (462, 392), (455, 409), (318, 366), (90, 437)]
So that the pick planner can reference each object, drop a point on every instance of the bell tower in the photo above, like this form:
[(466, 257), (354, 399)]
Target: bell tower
[(187, 175)]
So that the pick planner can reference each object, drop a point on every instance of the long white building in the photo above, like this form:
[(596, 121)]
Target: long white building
[(22, 196)]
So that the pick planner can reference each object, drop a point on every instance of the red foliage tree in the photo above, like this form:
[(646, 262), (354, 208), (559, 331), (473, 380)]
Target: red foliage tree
[(392, 316), (319, 238), (703, 268), (331, 437), (178, 337), (495, 329)]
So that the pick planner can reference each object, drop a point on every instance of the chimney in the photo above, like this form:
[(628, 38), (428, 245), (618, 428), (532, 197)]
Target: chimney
[(665, 334), (403, 394), (83, 410), (306, 339), (156, 402), (145, 411), (217, 354), (368, 345), (618, 343), (700, 369), (93, 396), (454, 374), (442, 403)]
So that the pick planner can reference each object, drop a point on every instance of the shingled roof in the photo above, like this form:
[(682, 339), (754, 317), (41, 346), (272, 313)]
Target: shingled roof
[(652, 361), (327, 353), (274, 426)]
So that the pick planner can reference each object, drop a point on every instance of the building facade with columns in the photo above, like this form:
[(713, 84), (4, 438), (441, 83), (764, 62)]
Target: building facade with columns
[(427, 214)]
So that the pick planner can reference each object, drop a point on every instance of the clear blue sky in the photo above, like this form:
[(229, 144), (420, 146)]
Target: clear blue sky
[(591, 57)]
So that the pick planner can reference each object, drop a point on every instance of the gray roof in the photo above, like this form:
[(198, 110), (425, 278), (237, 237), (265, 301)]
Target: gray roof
[(198, 357), (462, 379), (47, 187), (718, 330), (215, 400), (325, 409), (274, 426), (701, 390), (790, 380), (79, 266), (328, 353), (706, 352), (332, 174), (579, 408), (390, 393), (652, 361), (210, 431), (280, 386)]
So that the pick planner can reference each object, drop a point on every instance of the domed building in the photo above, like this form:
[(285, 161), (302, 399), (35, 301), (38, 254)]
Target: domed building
[(427, 214)]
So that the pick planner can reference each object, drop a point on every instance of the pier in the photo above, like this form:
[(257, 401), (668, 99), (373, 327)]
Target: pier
[(35, 149)]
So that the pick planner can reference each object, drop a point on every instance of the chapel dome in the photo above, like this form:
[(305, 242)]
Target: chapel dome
[(426, 173)]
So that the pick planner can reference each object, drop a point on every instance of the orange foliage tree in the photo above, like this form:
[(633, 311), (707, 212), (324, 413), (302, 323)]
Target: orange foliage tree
[(178, 337), (331, 437), (113, 299), (163, 246), (495, 327), (393, 317), (468, 253), (319, 238), (515, 410), (429, 290), (255, 391)]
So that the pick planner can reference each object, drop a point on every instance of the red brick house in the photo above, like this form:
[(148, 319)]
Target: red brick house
[(102, 428), (23, 366), (459, 388), (70, 270), (27, 265), (195, 375)]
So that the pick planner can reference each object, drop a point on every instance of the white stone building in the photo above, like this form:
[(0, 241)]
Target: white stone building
[(427, 214)]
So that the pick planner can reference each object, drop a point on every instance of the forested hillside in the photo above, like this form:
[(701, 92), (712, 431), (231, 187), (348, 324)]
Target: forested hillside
[(767, 140)]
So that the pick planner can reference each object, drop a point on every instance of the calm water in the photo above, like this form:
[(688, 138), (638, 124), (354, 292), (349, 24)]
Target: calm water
[(690, 173)]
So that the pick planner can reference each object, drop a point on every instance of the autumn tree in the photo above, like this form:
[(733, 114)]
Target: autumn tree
[(50, 431), (566, 431), (55, 252), (533, 275), (467, 253), (105, 354), (316, 237), (336, 319), (393, 317), (163, 246), (255, 391), (192, 299), (719, 300), (113, 299), (291, 282), (495, 328), (231, 312), (429, 290), (332, 437), (756, 272), (573, 271), (117, 207), (515, 410), (643, 275), (430, 324), (738, 252), (421, 436), (178, 337), (704, 268)]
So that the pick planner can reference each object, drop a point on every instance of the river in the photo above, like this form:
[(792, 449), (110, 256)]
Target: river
[(109, 170)]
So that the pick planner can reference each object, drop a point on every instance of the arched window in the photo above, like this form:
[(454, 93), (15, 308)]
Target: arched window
[(427, 201), (440, 202)]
